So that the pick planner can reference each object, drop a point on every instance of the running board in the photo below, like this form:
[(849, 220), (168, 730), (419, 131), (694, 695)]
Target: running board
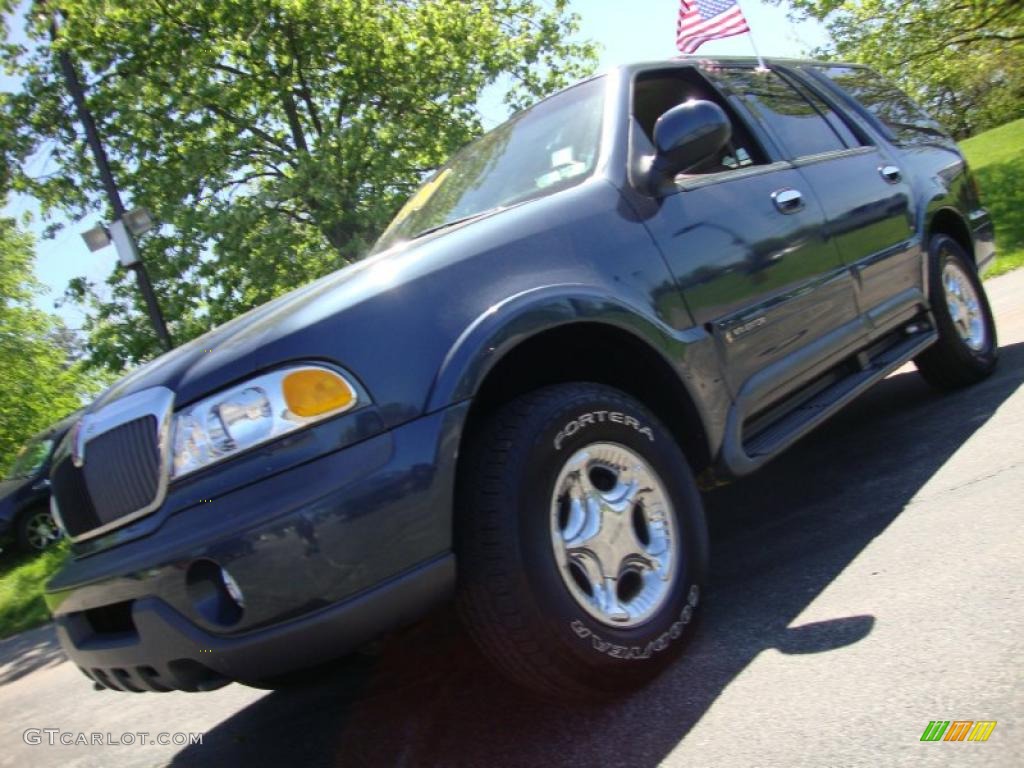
[(742, 454)]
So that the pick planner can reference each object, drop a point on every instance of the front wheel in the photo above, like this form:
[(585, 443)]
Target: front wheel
[(966, 351), (36, 530), (581, 541)]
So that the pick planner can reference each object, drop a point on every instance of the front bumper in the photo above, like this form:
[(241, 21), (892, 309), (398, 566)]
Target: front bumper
[(327, 555), (164, 651)]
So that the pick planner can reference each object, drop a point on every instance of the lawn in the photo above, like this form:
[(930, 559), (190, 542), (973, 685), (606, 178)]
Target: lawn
[(997, 159), (21, 588)]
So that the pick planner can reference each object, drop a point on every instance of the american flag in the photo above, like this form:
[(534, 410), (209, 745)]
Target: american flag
[(703, 20)]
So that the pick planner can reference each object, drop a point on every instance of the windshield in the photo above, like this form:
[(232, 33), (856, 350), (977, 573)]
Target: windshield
[(544, 149), (31, 459)]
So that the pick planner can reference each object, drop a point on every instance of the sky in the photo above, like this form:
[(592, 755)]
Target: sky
[(626, 30)]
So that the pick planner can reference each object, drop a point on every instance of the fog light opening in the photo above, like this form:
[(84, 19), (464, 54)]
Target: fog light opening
[(215, 594)]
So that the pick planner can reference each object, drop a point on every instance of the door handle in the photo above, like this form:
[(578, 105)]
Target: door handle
[(891, 174), (788, 200)]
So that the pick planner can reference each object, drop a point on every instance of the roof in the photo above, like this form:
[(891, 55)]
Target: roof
[(690, 59)]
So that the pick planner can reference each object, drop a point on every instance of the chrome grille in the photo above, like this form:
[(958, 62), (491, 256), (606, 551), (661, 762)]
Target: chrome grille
[(122, 469), (72, 499), (113, 466)]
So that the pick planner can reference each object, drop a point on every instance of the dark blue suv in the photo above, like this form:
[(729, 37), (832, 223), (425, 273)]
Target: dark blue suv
[(25, 492), (657, 279)]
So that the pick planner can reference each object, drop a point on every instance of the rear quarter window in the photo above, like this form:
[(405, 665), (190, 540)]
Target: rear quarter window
[(893, 111)]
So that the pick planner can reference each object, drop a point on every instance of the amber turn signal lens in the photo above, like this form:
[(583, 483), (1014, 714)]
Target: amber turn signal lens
[(313, 391)]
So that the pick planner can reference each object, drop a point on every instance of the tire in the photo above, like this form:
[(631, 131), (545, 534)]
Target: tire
[(531, 616), (29, 534), (966, 351)]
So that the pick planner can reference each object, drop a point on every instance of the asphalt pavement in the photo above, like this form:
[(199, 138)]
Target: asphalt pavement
[(867, 582)]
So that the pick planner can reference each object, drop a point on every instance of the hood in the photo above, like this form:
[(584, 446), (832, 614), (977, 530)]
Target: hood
[(253, 341), (232, 351), (11, 487), (391, 319)]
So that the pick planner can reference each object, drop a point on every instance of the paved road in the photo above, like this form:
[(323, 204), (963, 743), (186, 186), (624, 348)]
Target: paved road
[(867, 582)]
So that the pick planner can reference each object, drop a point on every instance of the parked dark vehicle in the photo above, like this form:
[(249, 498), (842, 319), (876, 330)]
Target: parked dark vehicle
[(25, 492), (669, 272)]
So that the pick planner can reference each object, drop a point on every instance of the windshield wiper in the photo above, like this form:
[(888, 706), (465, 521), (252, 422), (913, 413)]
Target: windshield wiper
[(453, 222)]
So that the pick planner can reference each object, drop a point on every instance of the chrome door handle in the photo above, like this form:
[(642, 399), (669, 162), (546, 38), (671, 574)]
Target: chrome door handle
[(891, 174), (788, 200)]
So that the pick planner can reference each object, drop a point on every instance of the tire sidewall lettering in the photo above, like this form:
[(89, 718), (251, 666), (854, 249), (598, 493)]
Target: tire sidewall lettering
[(645, 651), (593, 418)]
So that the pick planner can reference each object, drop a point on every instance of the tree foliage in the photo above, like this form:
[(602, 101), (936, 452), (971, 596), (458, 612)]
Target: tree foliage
[(961, 59), (273, 139), (42, 382)]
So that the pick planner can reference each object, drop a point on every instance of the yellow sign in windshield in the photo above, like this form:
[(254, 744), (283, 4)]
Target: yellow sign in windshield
[(418, 200)]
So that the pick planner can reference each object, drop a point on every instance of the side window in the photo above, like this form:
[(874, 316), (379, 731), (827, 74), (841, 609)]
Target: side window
[(31, 458), (835, 120), (802, 122), (906, 122), (655, 93)]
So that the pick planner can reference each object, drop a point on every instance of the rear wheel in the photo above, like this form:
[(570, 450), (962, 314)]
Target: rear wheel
[(966, 351), (581, 541)]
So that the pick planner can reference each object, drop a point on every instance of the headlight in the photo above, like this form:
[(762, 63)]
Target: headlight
[(259, 410)]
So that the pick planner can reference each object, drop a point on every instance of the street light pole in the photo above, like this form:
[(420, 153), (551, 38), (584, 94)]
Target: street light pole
[(124, 241)]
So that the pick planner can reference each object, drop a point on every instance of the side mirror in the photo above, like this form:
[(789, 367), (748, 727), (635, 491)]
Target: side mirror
[(686, 136)]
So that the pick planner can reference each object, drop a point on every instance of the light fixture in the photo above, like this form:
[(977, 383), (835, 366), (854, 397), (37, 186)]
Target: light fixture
[(96, 238), (139, 221)]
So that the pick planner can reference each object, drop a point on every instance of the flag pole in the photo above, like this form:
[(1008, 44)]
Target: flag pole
[(750, 36)]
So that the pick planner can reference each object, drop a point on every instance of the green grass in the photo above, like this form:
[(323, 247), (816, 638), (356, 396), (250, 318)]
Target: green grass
[(997, 159), (22, 578)]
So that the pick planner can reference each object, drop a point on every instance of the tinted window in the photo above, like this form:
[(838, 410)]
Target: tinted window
[(798, 123), (835, 120), (905, 121)]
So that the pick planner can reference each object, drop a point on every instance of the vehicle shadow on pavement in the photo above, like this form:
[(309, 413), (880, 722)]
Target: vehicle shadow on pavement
[(779, 538), (28, 651)]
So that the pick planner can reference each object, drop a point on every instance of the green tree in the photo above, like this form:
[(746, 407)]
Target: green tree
[(41, 381), (963, 60), (273, 139)]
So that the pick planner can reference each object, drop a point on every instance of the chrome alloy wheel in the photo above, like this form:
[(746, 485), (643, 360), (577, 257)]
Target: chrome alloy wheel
[(614, 534), (41, 530), (964, 306)]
